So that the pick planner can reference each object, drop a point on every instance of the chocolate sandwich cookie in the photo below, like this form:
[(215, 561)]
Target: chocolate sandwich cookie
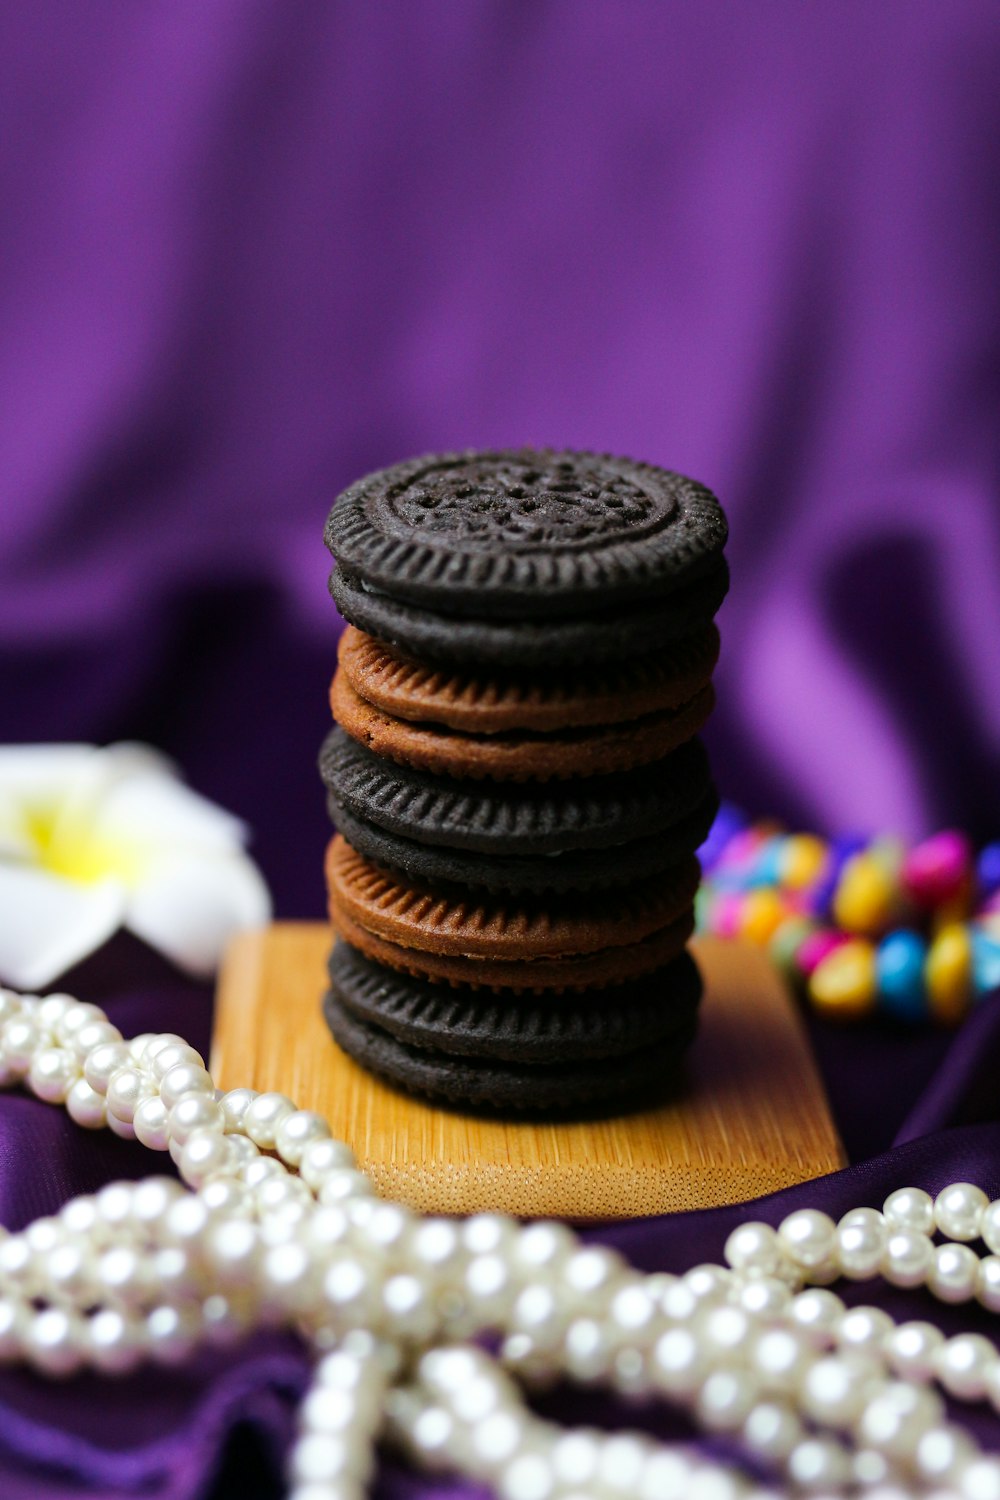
[(524, 820), (570, 870), (500, 702), (525, 533), (434, 636), (591, 751), (514, 1027), (648, 1074)]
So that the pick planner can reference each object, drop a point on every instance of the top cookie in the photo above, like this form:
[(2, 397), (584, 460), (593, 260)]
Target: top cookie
[(525, 532)]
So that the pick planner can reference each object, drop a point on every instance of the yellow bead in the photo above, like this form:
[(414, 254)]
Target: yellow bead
[(803, 858), (866, 896), (763, 912), (948, 973), (844, 985)]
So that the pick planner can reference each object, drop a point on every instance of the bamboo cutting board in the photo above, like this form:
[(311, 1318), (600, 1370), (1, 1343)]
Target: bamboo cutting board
[(753, 1118)]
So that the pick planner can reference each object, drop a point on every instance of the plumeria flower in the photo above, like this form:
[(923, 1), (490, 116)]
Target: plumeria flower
[(96, 839)]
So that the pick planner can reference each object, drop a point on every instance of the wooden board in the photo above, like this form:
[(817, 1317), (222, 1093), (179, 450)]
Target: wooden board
[(754, 1117)]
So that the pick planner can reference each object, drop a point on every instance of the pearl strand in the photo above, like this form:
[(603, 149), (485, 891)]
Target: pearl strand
[(283, 1230)]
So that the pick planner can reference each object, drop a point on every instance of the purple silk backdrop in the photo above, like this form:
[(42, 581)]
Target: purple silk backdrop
[(249, 251)]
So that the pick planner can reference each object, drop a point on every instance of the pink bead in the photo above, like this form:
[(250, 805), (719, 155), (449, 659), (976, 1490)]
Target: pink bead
[(816, 947), (936, 871), (742, 847), (727, 914)]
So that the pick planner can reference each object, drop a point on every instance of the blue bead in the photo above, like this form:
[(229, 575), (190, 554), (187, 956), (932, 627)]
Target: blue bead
[(767, 866), (988, 869), (729, 820), (985, 963), (899, 966)]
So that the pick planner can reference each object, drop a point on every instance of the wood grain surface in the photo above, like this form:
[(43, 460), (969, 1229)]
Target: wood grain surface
[(753, 1117)]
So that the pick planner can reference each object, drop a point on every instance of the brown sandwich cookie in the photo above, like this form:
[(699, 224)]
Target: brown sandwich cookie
[(597, 751), (485, 926), (497, 703)]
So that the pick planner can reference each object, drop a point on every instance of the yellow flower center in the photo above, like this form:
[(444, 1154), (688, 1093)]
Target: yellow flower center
[(80, 853)]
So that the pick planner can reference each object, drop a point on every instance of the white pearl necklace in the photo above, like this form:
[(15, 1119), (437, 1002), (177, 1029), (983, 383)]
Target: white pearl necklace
[(283, 1230)]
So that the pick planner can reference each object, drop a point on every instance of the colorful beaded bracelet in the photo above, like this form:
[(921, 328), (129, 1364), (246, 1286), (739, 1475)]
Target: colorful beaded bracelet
[(860, 924)]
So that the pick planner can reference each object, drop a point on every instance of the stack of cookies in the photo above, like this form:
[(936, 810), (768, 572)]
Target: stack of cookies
[(514, 775)]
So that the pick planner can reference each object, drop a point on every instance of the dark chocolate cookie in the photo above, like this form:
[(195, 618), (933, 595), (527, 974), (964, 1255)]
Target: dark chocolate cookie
[(515, 1027), (525, 532), (427, 636), (521, 820), (573, 870), (647, 1074)]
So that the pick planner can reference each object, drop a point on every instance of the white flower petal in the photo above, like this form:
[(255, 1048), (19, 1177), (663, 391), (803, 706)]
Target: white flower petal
[(38, 773), (48, 924), (148, 809), (190, 904)]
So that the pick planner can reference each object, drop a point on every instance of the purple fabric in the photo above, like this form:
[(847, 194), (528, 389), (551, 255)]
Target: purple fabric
[(248, 252)]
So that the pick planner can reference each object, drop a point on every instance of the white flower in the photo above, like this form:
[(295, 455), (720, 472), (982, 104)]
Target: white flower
[(92, 840)]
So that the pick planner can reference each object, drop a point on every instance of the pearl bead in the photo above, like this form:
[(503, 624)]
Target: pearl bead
[(320, 1158), (263, 1116), (575, 1456), (910, 1208), (234, 1106), (980, 1480), (85, 1106), (893, 1421), (100, 1065), (296, 1131), (912, 1348), (19, 1041), (941, 1451), (818, 1312), (93, 1034), (988, 1283), (115, 1342), (989, 1226), (952, 1276), (779, 1357), (150, 1123), (77, 1016), (860, 1246), (962, 1364), (678, 1363), (51, 1010), (488, 1234), (590, 1271), (863, 1328), (185, 1078), (818, 1463), (52, 1074), (171, 1333), (123, 1129), (959, 1209), (205, 1153), (126, 1088), (834, 1389), (528, 1476), (338, 1187), (763, 1296), (754, 1248), (772, 1430), (725, 1400), (807, 1237), (54, 1342), (542, 1245), (194, 1112), (908, 1257), (161, 1060)]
